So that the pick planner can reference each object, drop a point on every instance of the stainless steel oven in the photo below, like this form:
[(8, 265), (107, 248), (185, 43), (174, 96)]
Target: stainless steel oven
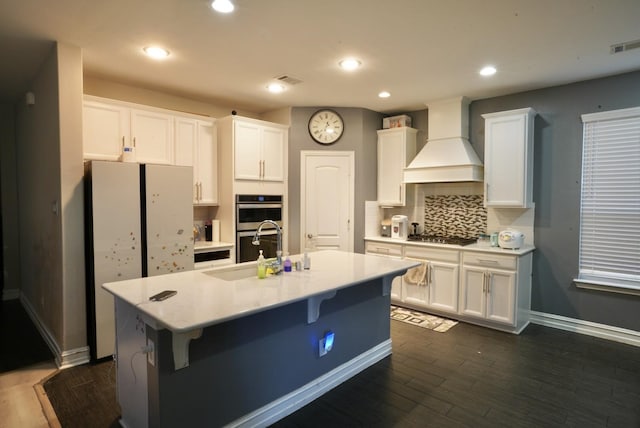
[(251, 210)]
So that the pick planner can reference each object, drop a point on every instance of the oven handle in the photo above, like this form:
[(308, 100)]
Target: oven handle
[(242, 206)]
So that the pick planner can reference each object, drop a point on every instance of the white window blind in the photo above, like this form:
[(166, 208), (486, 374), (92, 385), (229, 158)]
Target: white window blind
[(610, 204)]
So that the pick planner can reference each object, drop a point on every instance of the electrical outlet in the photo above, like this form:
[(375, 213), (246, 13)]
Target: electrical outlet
[(151, 352)]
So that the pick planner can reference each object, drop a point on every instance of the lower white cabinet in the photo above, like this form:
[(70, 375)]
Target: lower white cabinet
[(434, 284), (496, 288), (491, 288), (488, 294), (388, 250)]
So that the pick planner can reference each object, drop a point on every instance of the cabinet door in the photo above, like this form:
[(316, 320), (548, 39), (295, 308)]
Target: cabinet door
[(185, 147), (105, 129), (504, 162), (501, 296), (247, 151), (415, 285), (207, 163), (273, 143), (152, 135), (391, 157), (473, 300), (443, 286)]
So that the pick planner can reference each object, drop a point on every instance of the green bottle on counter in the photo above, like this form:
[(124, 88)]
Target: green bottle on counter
[(262, 267)]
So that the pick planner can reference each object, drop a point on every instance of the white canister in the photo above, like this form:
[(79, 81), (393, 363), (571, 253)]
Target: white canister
[(215, 230)]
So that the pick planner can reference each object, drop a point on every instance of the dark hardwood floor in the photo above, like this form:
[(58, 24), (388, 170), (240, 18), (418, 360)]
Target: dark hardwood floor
[(475, 377), (467, 377)]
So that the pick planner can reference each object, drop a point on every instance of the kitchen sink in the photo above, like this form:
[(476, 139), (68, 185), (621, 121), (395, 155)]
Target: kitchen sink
[(234, 273)]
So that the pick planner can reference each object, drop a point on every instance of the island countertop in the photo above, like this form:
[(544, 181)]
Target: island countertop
[(204, 298)]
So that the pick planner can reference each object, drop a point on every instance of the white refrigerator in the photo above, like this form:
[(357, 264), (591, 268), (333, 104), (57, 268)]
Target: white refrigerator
[(139, 222)]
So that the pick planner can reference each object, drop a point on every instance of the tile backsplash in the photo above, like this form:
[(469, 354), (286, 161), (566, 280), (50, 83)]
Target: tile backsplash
[(455, 215)]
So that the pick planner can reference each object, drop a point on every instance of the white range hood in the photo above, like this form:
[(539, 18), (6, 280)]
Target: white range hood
[(447, 156)]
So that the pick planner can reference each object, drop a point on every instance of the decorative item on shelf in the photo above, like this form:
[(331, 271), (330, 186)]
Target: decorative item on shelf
[(208, 232), (326, 126), (396, 121)]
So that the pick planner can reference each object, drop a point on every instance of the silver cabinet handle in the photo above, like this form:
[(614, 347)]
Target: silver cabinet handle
[(400, 192), (123, 141), (134, 141), (484, 282), (489, 276)]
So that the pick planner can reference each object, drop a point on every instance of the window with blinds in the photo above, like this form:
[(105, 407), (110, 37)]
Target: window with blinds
[(610, 201)]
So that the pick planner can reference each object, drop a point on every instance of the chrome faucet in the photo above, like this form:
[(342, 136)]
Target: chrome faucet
[(256, 241)]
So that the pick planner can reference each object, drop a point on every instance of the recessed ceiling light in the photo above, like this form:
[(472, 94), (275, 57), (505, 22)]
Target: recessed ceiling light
[(222, 6), (384, 94), (349, 64), (276, 88), (156, 52), (489, 70)]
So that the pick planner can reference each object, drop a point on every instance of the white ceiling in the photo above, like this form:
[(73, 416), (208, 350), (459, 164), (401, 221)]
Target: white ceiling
[(419, 50)]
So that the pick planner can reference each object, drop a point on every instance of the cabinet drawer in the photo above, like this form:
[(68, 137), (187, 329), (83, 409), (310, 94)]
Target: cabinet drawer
[(383, 248), (490, 260), (432, 254)]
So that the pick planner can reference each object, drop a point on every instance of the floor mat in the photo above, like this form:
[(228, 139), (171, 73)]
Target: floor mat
[(421, 319)]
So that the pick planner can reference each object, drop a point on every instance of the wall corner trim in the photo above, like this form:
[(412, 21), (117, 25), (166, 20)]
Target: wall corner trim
[(603, 331), (63, 359)]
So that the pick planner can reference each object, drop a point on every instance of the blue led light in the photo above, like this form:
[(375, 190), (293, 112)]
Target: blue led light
[(328, 340)]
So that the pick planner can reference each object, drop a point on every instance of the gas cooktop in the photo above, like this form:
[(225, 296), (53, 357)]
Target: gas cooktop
[(434, 239)]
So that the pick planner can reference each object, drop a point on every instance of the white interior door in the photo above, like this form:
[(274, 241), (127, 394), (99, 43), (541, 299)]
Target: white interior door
[(326, 200)]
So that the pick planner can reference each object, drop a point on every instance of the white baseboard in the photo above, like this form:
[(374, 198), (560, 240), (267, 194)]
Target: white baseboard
[(63, 359), (603, 331), (302, 396)]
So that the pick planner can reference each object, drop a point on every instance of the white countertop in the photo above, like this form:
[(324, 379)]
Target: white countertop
[(204, 300), (472, 247)]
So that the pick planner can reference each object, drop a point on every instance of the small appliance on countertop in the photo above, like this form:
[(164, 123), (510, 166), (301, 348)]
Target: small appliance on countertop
[(385, 228), (399, 227), (511, 239)]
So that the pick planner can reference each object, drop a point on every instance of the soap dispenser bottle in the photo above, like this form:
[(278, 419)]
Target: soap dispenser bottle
[(262, 267), (287, 264)]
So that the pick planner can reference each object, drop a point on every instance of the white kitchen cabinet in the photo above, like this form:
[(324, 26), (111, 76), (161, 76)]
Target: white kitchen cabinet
[(109, 125), (396, 149), (508, 158), (104, 130), (388, 250), (152, 136), (496, 288), (439, 288), (258, 151), (196, 146)]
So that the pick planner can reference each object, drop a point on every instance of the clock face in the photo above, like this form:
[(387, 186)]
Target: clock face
[(326, 126)]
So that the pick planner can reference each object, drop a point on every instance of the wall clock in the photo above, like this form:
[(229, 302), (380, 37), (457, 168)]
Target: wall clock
[(326, 126)]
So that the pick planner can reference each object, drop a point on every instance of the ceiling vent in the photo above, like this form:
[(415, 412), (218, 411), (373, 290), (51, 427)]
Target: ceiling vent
[(622, 47), (288, 80)]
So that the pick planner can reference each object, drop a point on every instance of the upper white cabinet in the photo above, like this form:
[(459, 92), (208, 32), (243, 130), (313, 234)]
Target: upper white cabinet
[(508, 158), (258, 150), (104, 130), (109, 126), (196, 146), (396, 149)]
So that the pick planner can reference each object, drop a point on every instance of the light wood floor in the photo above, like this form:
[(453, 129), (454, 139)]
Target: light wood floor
[(20, 399)]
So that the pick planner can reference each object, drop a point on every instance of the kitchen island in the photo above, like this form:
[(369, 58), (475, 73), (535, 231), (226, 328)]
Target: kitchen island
[(231, 349)]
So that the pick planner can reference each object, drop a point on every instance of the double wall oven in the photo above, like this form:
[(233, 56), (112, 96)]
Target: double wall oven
[(251, 210)]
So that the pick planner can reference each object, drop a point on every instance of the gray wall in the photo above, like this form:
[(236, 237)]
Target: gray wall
[(557, 174), (359, 136)]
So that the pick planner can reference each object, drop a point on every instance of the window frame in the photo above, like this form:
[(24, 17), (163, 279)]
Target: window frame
[(604, 126)]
